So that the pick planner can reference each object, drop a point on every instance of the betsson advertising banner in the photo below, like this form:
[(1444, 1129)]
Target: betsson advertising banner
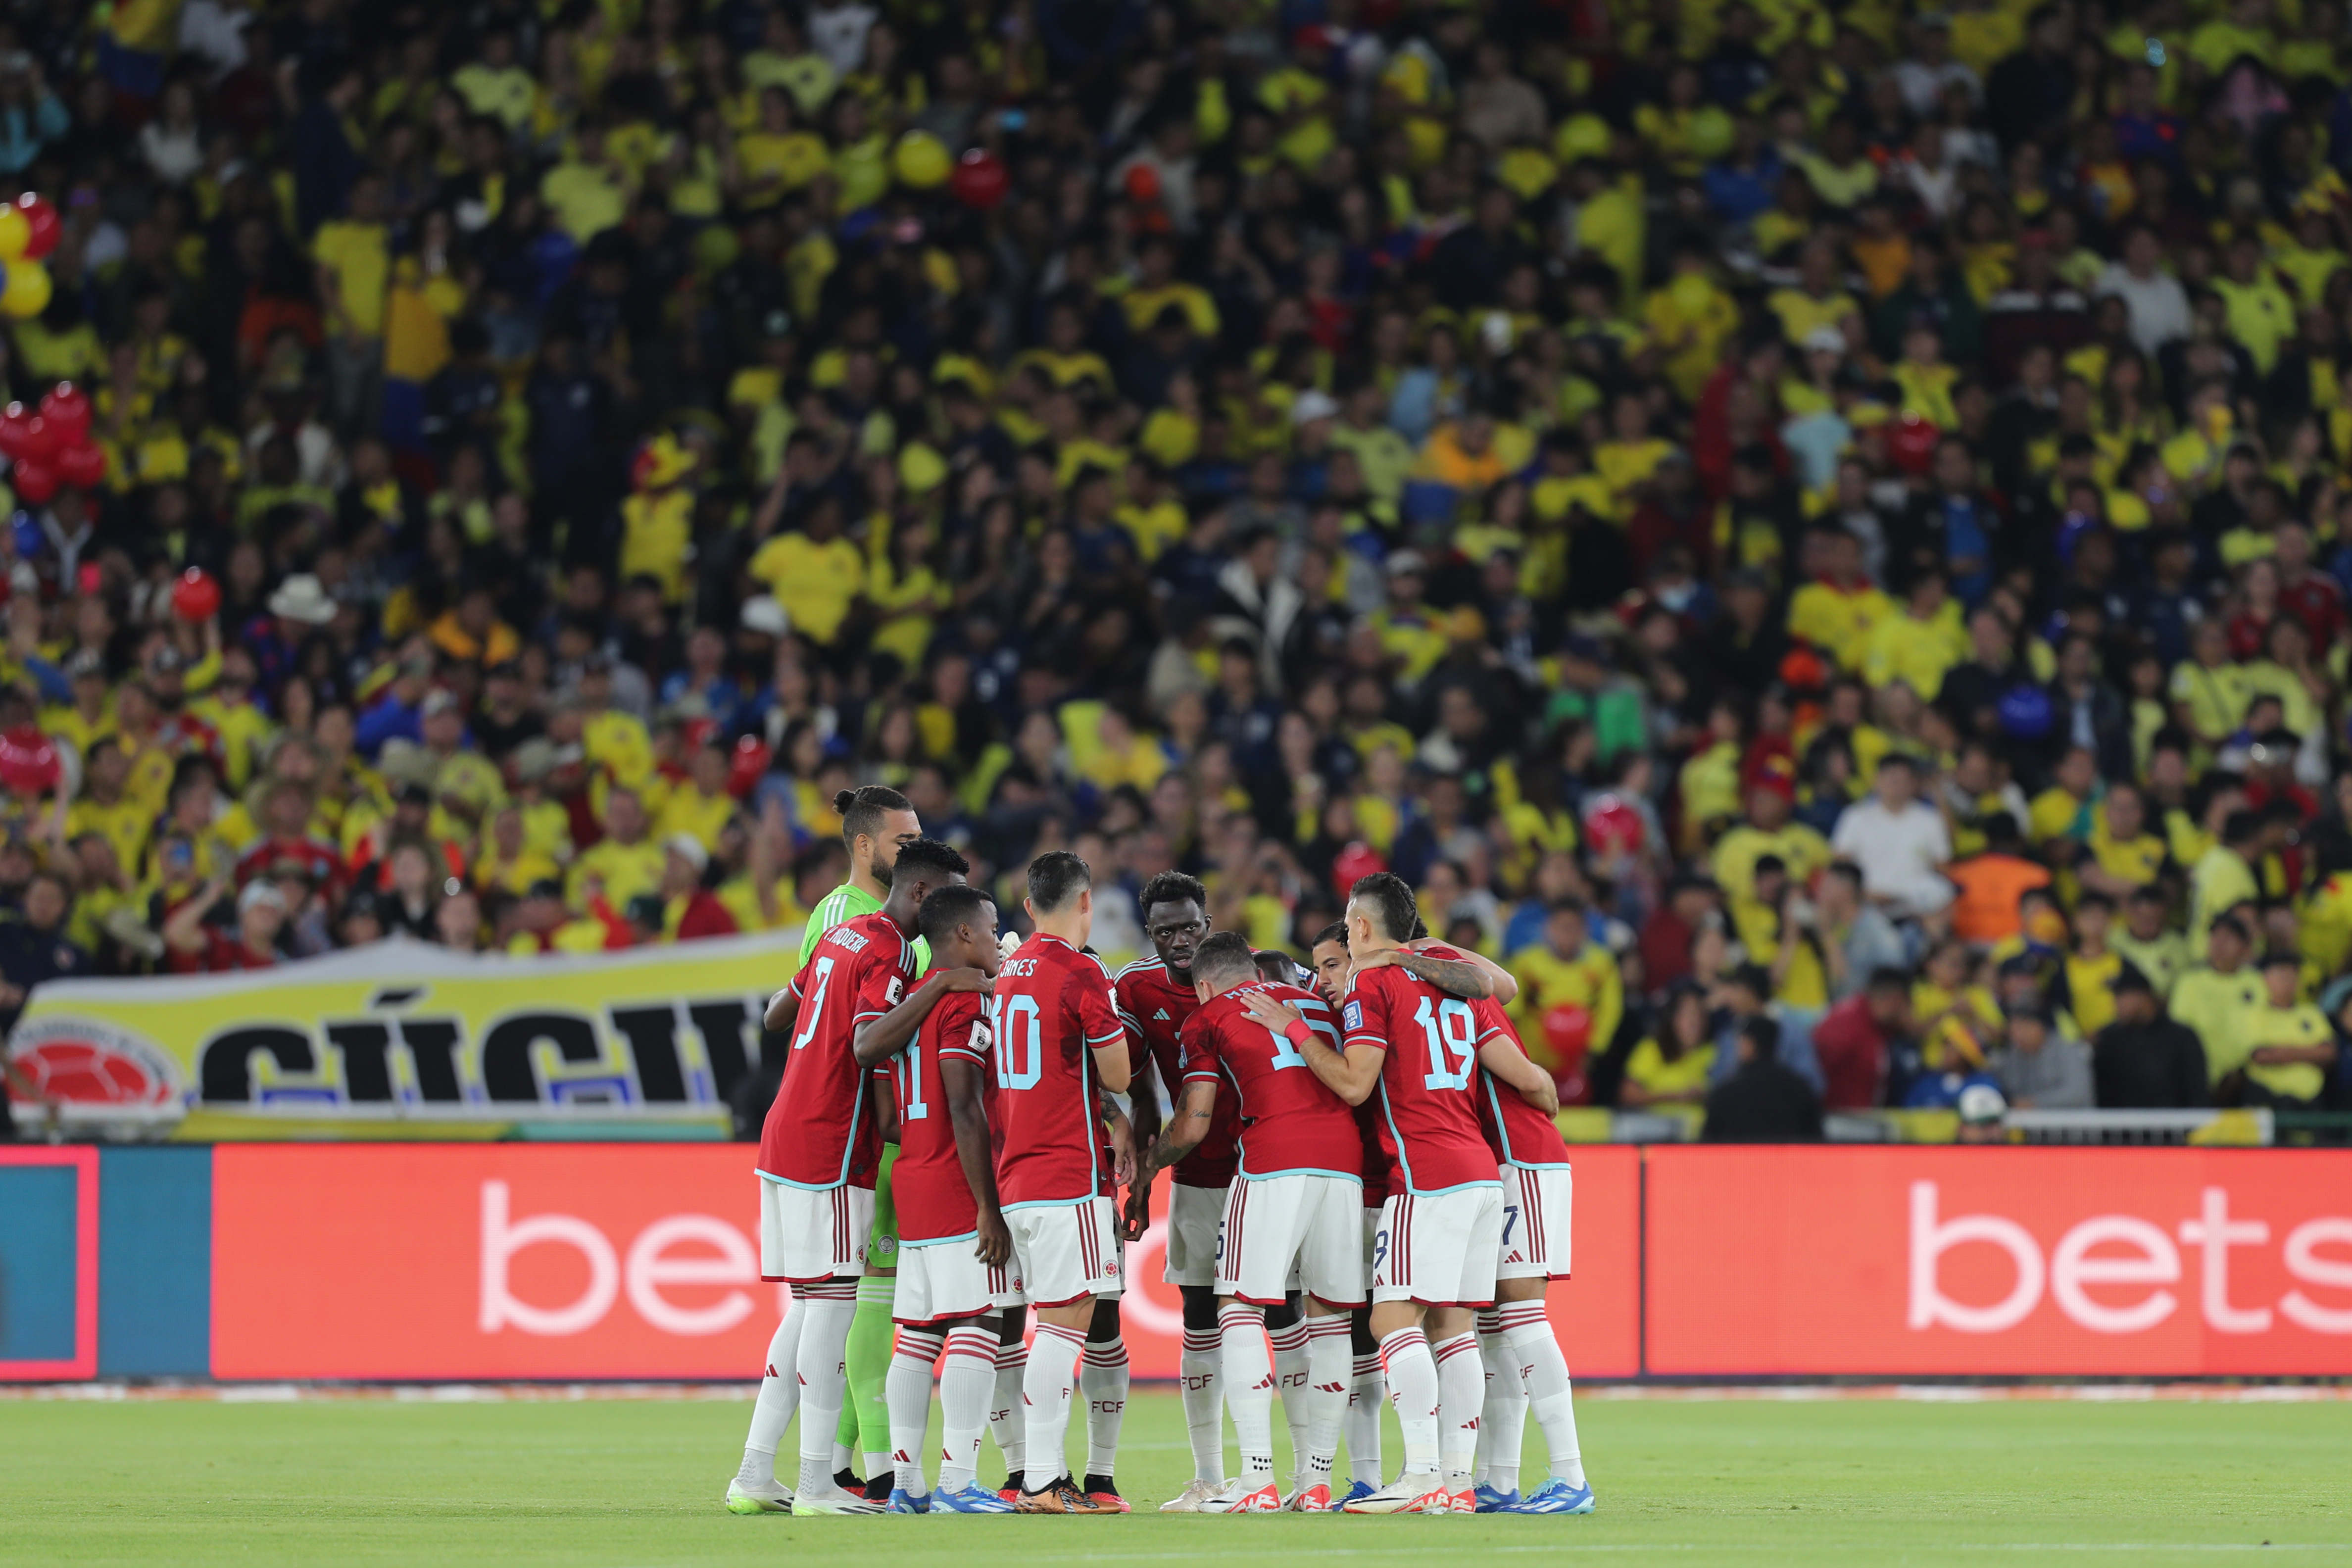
[(404, 1040), (634, 1261), (2070, 1262)]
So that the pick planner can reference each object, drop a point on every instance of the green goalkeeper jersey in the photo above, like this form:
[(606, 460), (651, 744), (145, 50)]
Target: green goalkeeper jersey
[(846, 902)]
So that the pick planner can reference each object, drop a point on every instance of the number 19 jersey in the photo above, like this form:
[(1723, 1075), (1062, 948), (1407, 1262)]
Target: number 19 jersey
[(1052, 1010), (1428, 1115)]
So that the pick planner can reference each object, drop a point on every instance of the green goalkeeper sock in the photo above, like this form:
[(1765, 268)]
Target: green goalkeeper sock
[(865, 1414)]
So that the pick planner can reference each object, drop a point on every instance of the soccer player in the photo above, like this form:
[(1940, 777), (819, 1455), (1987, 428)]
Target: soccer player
[(1523, 1361), (875, 822), (1296, 1204), (818, 1154), (1059, 1046), (1415, 1047), (1155, 998), (953, 1246)]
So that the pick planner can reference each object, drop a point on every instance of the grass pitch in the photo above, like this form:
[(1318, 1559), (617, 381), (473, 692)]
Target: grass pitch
[(624, 1482)]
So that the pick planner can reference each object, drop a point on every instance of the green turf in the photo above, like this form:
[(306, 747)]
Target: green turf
[(630, 1482)]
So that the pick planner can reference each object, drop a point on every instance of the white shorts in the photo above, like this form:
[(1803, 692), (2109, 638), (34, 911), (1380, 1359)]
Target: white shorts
[(1195, 1217), (1537, 1202), (808, 1234), (1439, 1250), (942, 1280), (1299, 1227), (1065, 1252)]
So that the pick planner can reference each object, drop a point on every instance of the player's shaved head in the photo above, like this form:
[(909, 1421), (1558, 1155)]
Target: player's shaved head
[(1279, 967), (1224, 960), (1386, 899), (953, 907), (1055, 877)]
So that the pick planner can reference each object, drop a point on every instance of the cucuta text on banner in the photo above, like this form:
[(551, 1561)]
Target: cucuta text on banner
[(402, 1040)]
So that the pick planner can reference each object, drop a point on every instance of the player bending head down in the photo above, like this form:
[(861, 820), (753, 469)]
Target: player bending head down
[(1417, 1049)]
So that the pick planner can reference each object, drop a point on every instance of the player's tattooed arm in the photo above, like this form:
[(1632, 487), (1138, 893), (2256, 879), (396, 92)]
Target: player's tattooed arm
[(1473, 976), (879, 1040), (1502, 1057), (961, 1079), (1186, 1127)]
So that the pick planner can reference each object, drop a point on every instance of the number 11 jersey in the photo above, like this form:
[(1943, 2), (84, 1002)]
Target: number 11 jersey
[(1427, 1108)]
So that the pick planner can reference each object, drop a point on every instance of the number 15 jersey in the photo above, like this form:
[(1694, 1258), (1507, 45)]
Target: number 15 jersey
[(1428, 1110), (1291, 1123)]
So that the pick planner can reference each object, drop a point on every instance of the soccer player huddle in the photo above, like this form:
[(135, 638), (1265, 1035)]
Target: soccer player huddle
[(1370, 1197)]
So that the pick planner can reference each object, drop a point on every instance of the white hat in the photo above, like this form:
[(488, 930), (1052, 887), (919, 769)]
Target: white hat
[(1981, 1104), (688, 848), (260, 891), (300, 598), (1825, 341), (1312, 404)]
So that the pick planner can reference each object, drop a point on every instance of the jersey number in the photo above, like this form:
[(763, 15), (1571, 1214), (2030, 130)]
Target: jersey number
[(1286, 1055), (909, 1067), (813, 1008), (1032, 1044), (1452, 1036)]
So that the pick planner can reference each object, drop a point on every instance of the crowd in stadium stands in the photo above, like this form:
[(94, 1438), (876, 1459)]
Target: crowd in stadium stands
[(1815, 534)]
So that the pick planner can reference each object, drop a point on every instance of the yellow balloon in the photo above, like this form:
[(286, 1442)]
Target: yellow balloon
[(14, 232), (921, 159), (27, 292)]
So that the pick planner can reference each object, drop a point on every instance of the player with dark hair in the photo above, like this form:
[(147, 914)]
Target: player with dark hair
[(1059, 1042), (1416, 1048), (955, 1251), (1368, 1388), (1294, 1205), (818, 1155), (876, 824), (1155, 998)]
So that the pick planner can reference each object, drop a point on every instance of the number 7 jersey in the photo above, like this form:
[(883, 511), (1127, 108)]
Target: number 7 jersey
[(1427, 1106)]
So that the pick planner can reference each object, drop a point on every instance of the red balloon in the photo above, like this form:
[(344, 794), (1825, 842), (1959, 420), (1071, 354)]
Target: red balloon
[(1568, 1029), (1611, 825), (747, 765), (67, 407), (42, 438), (16, 421), (979, 180), (196, 597), (43, 227), (29, 761), (1912, 444), (1143, 184), (35, 479), (82, 466)]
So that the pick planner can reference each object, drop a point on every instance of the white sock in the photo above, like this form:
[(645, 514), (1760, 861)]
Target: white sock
[(1290, 1378), (1527, 1334), (780, 1396), (1327, 1396), (1103, 1379), (1502, 1425), (1361, 1423), (1462, 1398), (907, 1391), (1413, 1391), (966, 1379), (1202, 1420), (1007, 1422), (1248, 1367), (1045, 1394), (824, 1378)]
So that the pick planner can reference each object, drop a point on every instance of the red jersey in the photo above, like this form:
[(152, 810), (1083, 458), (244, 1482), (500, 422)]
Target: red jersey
[(928, 1187), (1517, 1132), (1053, 1010), (1291, 1120), (819, 1133), (1153, 1009), (1428, 1116)]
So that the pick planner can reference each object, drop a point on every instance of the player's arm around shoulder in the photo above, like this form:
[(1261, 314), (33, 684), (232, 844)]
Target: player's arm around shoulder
[(1501, 1054), (878, 1040), (1352, 1071)]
